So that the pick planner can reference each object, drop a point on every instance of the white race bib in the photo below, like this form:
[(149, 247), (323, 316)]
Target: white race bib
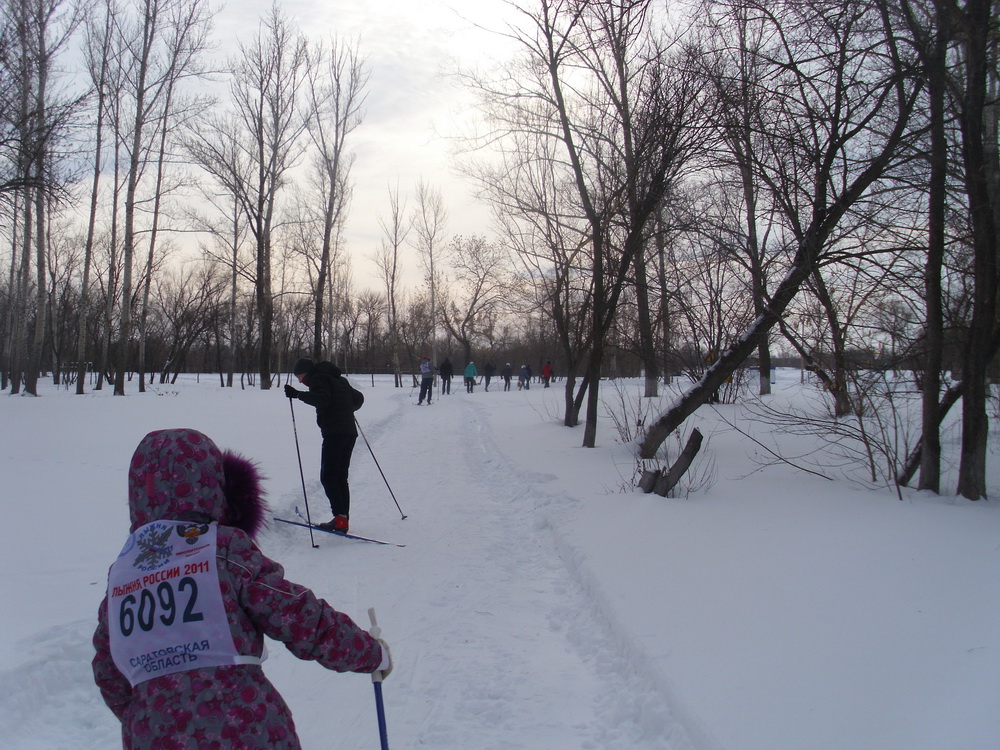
[(165, 609)]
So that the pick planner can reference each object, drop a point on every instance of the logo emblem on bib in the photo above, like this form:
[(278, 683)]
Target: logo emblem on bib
[(192, 532), (155, 552)]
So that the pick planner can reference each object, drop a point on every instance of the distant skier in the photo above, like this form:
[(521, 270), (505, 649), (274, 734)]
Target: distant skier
[(426, 381), (335, 401), (447, 370), (488, 372), (470, 376), (547, 372), (180, 633), (506, 372)]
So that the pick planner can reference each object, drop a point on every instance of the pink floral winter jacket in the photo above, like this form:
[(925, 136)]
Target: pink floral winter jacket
[(181, 475)]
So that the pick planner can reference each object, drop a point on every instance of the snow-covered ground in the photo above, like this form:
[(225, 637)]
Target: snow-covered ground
[(538, 604)]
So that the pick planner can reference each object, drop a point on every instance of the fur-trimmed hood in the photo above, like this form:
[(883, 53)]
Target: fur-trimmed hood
[(180, 474)]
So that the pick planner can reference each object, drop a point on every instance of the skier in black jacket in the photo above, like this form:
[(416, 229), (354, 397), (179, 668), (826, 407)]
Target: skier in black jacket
[(335, 401), (446, 371)]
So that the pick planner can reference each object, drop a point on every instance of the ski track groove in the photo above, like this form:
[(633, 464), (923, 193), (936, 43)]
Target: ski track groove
[(632, 699), (511, 555)]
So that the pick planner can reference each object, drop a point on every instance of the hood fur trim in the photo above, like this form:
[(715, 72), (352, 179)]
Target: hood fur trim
[(246, 507)]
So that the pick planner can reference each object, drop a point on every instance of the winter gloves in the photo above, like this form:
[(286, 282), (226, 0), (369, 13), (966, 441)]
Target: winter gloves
[(291, 391)]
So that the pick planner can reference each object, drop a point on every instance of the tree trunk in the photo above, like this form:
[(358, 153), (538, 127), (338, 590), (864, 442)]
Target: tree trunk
[(88, 251), (980, 170), (132, 184), (571, 416), (842, 404), (265, 309), (931, 407), (34, 361), (669, 479), (647, 345)]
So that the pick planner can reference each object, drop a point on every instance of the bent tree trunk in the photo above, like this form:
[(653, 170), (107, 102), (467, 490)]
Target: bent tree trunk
[(803, 265), (727, 363), (825, 218)]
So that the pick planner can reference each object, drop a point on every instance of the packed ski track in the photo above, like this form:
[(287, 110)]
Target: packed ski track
[(471, 561)]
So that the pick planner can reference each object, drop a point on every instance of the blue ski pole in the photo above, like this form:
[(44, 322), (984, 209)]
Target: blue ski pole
[(376, 632)]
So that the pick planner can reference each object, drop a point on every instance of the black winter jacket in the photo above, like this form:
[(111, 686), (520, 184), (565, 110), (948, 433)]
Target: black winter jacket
[(335, 400)]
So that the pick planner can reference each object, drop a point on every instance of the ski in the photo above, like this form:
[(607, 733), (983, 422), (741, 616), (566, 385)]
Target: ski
[(346, 535)]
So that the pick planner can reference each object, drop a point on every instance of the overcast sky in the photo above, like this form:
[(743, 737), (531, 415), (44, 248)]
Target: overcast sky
[(411, 106)]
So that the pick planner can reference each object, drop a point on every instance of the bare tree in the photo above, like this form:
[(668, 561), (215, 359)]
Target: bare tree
[(215, 145), (932, 33), (370, 310), (978, 119), (734, 66), (172, 117), (62, 264), (189, 301), (600, 86), (342, 312), (337, 80), (32, 34), (535, 210), (225, 245), (841, 84), (478, 286), (97, 49), (164, 43), (430, 221), (267, 82), (395, 230)]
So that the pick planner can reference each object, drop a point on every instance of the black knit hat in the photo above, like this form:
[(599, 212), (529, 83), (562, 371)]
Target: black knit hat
[(302, 365)]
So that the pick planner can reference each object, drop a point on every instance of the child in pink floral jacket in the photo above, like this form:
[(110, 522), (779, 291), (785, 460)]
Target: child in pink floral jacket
[(180, 634)]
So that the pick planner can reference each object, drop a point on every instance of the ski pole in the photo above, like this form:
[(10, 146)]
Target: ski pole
[(402, 515), (302, 476), (376, 632)]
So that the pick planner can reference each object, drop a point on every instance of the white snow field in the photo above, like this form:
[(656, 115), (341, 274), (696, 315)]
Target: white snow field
[(539, 603)]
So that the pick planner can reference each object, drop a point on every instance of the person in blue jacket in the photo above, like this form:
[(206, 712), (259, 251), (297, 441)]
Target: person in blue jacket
[(470, 376)]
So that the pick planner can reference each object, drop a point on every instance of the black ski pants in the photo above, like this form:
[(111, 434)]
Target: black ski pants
[(335, 462), (426, 389)]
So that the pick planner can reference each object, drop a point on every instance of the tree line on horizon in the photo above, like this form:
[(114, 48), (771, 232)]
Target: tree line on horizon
[(678, 189)]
